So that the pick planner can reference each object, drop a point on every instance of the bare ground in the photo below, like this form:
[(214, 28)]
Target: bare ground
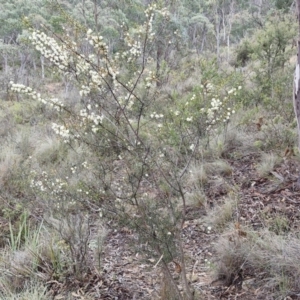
[(128, 275)]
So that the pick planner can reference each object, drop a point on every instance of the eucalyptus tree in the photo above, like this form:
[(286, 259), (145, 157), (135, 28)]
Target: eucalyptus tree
[(296, 89)]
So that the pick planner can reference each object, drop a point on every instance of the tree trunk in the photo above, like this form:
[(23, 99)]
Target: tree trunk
[(218, 38), (5, 63), (159, 57), (297, 79), (204, 31), (43, 66)]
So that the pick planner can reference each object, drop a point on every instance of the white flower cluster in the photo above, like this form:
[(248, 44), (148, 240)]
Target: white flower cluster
[(58, 186), (216, 105), (73, 169), (192, 99), (38, 184), (149, 79), (135, 50), (49, 48), (85, 65), (229, 112), (192, 147), (21, 88), (97, 42), (62, 131), (96, 77), (234, 90), (218, 112), (55, 103), (26, 90), (113, 73), (82, 65), (87, 115), (134, 42), (165, 13), (156, 116), (42, 184), (149, 13), (54, 187), (85, 165), (130, 84), (208, 87), (85, 90)]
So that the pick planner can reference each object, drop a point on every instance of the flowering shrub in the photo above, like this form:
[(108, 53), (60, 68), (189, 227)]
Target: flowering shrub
[(58, 193), (220, 110), (197, 116), (141, 154)]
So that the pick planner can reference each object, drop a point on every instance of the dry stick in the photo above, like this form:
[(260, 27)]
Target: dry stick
[(158, 261)]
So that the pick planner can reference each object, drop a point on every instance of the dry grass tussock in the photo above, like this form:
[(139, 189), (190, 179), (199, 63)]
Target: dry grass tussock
[(267, 164), (234, 139), (9, 159), (207, 175), (201, 173), (49, 252), (272, 259), (222, 215), (32, 291)]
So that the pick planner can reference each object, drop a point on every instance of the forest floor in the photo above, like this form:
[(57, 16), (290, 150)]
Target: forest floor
[(128, 275)]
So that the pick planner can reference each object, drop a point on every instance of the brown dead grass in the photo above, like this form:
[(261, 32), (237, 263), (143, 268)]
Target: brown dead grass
[(272, 258)]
